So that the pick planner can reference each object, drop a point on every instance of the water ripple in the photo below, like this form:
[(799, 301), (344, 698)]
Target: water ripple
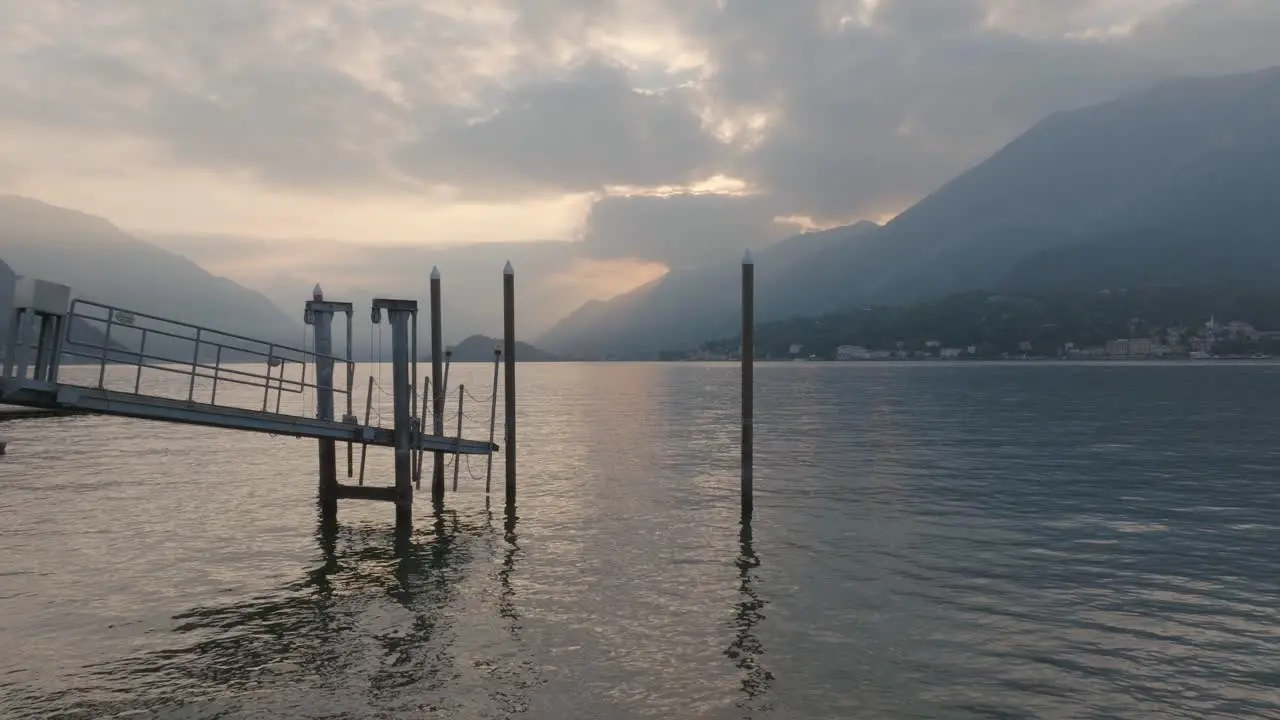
[(959, 541)]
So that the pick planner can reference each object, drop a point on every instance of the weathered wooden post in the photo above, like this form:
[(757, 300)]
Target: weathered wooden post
[(493, 419), (418, 425), (509, 357), (748, 382), (457, 458), (400, 314), (437, 382), (350, 418)]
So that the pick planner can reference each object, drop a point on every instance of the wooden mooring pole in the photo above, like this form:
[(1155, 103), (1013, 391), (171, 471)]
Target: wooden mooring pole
[(457, 459), (509, 358), (748, 383), (437, 388), (493, 419)]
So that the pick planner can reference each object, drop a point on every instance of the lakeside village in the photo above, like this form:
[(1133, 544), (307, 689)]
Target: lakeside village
[(1234, 340)]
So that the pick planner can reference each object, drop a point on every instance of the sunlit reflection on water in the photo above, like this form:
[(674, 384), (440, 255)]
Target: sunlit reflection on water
[(929, 541)]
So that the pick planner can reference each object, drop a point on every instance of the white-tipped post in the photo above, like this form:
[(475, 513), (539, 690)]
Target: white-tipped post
[(747, 259), (509, 359), (437, 387)]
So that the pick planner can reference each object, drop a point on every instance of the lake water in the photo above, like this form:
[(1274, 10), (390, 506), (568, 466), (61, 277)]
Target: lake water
[(930, 541)]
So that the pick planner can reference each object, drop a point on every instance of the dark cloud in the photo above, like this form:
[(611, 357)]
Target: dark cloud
[(868, 116), (583, 131), (866, 105)]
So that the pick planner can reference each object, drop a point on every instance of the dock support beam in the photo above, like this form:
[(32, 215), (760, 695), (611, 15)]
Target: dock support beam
[(748, 384), (509, 357), (321, 320), (438, 389), (400, 314), (319, 315)]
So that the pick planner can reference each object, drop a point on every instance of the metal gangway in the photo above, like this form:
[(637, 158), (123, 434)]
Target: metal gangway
[(115, 341)]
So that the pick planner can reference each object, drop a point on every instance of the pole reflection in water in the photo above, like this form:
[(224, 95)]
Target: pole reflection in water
[(386, 623), (746, 650), (513, 678), (506, 599)]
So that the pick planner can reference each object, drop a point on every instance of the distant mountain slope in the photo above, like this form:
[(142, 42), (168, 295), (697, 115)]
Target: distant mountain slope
[(1175, 183), (683, 307), (101, 262), (1189, 158), (479, 348)]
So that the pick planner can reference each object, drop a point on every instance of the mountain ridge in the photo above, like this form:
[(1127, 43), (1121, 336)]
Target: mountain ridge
[(1185, 159), (99, 261), (616, 327)]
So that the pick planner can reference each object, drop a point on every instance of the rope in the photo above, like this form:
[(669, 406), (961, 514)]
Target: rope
[(481, 399), (480, 421)]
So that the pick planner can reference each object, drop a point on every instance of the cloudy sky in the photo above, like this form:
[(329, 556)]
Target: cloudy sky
[(611, 138)]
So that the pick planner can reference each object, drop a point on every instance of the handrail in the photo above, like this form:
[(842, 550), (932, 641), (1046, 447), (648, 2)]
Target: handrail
[(114, 310), (204, 340)]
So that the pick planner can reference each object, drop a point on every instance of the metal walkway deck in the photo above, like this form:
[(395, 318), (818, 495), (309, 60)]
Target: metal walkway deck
[(74, 398), (12, 412), (135, 341)]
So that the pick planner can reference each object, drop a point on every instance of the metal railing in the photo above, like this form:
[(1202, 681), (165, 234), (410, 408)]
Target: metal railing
[(195, 343)]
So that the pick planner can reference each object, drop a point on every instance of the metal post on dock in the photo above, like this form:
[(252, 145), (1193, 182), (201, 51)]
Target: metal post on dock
[(13, 340), (319, 315), (37, 310), (322, 325), (400, 313), (509, 356), (48, 329), (437, 383), (748, 382)]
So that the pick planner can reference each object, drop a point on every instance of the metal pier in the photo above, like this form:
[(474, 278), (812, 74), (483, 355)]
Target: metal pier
[(74, 398), (253, 376)]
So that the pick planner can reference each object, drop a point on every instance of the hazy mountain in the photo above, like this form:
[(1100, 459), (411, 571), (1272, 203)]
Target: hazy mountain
[(683, 307), (100, 262), (1173, 184), (1185, 167), (479, 348)]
